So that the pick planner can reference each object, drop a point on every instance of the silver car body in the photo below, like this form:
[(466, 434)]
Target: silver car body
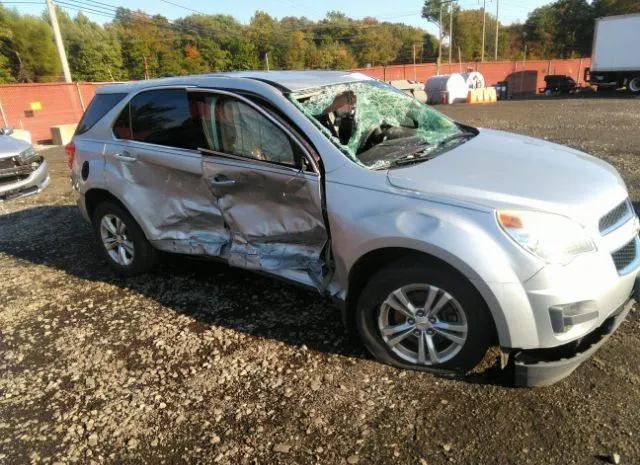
[(282, 219), (20, 175)]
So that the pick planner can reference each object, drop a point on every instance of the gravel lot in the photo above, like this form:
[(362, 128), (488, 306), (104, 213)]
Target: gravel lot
[(199, 363)]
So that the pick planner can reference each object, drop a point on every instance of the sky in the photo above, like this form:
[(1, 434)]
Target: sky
[(405, 11)]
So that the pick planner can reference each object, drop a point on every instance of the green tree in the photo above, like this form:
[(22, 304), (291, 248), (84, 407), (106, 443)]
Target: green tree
[(376, 45), (93, 52), (263, 33), (431, 10), (151, 38), (614, 7), (36, 54), (7, 52), (244, 55)]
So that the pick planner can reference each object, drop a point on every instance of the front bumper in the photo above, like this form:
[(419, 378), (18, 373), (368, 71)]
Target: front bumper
[(37, 181), (543, 367)]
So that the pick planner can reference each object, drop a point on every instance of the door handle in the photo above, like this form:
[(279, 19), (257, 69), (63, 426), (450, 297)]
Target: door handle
[(126, 156), (222, 181)]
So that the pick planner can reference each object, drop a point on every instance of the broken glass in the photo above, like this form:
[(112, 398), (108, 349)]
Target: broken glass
[(360, 115)]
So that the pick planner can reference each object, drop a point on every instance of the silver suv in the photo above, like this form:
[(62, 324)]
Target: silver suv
[(437, 239)]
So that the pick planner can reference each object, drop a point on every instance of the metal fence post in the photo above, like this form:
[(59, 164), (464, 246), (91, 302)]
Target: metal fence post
[(80, 96)]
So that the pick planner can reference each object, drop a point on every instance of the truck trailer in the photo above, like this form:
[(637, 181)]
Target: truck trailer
[(615, 57)]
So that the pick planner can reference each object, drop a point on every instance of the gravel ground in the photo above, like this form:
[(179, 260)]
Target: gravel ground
[(199, 363)]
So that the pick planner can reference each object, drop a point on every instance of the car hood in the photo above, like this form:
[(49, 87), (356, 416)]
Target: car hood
[(10, 146), (496, 169)]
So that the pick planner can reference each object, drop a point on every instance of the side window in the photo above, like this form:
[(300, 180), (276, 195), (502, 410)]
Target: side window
[(99, 106), (233, 127), (164, 117), (122, 126)]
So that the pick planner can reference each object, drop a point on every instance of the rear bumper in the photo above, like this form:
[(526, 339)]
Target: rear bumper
[(33, 184), (543, 367)]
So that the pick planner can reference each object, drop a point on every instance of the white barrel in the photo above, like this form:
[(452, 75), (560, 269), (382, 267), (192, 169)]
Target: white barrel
[(447, 88), (474, 80)]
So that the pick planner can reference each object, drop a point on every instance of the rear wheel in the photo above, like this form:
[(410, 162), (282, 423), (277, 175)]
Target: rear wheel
[(417, 316), (121, 240), (634, 84)]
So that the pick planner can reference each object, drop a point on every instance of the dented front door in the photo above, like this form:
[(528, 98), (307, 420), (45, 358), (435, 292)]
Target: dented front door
[(267, 189)]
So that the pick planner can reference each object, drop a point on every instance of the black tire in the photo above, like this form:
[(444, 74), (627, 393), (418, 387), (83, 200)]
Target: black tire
[(634, 85), (144, 256), (405, 272)]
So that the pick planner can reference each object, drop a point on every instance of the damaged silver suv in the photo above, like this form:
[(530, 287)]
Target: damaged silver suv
[(437, 239)]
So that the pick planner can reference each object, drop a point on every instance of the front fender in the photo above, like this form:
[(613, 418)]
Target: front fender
[(466, 239)]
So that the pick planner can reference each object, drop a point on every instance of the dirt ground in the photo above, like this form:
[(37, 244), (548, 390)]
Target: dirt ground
[(199, 363)]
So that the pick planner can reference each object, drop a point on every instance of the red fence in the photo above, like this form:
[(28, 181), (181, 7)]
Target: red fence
[(62, 103), (523, 77)]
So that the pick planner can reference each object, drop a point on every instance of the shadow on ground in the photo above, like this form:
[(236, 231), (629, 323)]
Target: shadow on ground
[(58, 237)]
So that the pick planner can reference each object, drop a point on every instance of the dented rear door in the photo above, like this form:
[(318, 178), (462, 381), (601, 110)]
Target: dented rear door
[(267, 187), (154, 167)]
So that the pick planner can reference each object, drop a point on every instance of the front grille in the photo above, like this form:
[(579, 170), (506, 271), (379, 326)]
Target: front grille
[(625, 255), (620, 214)]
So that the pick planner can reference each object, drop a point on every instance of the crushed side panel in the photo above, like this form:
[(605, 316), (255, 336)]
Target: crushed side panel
[(275, 218)]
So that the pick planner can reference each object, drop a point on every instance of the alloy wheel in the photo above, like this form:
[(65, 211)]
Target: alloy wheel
[(422, 324), (116, 240)]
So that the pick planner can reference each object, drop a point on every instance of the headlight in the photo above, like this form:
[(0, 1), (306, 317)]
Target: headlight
[(553, 238), (26, 156)]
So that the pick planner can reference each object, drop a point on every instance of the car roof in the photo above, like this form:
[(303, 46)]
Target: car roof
[(287, 81)]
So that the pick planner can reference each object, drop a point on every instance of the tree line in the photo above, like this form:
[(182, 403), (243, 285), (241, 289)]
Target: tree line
[(562, 29), (134, 45)]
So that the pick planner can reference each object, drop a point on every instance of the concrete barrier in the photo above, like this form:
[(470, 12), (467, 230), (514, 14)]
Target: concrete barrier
[(62, 134)]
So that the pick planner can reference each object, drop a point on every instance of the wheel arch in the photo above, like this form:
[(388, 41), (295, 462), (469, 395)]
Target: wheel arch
[(369, 263), (95, 196)]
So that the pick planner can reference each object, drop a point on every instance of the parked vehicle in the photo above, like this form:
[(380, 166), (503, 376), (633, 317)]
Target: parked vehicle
[(437, 239), (559, 84), (22, 171), (502, 90), (615, 58)]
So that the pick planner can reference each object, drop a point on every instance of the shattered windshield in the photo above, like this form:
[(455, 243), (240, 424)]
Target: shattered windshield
[(376, 124)]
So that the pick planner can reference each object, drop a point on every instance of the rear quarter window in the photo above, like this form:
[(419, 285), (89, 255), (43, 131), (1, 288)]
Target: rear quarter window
[(99, 106), (166, 117)]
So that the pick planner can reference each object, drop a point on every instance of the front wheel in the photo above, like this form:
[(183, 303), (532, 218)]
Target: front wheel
[(418, 316), (634, 84), (121, 240)]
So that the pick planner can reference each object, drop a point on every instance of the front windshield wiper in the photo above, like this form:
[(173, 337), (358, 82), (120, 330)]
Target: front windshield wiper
[(413, 157), (452, 137), (423, 151)]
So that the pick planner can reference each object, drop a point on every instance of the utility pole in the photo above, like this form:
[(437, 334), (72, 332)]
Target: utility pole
[(495, 57), (58, 38), (266, 58), (484, 22), (450, 33), (146, 68), (440, 41), (414, 62)]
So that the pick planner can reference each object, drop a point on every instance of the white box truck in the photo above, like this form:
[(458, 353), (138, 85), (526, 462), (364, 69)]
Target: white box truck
[(615, 58)]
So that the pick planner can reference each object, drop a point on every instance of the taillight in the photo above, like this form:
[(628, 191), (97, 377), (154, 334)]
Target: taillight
[(70, 148)]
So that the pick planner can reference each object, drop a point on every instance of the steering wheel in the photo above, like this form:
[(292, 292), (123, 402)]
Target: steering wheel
[(370, 139)]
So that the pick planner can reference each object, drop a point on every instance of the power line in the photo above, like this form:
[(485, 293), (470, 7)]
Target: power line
[(84, 8), (184, 7)]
